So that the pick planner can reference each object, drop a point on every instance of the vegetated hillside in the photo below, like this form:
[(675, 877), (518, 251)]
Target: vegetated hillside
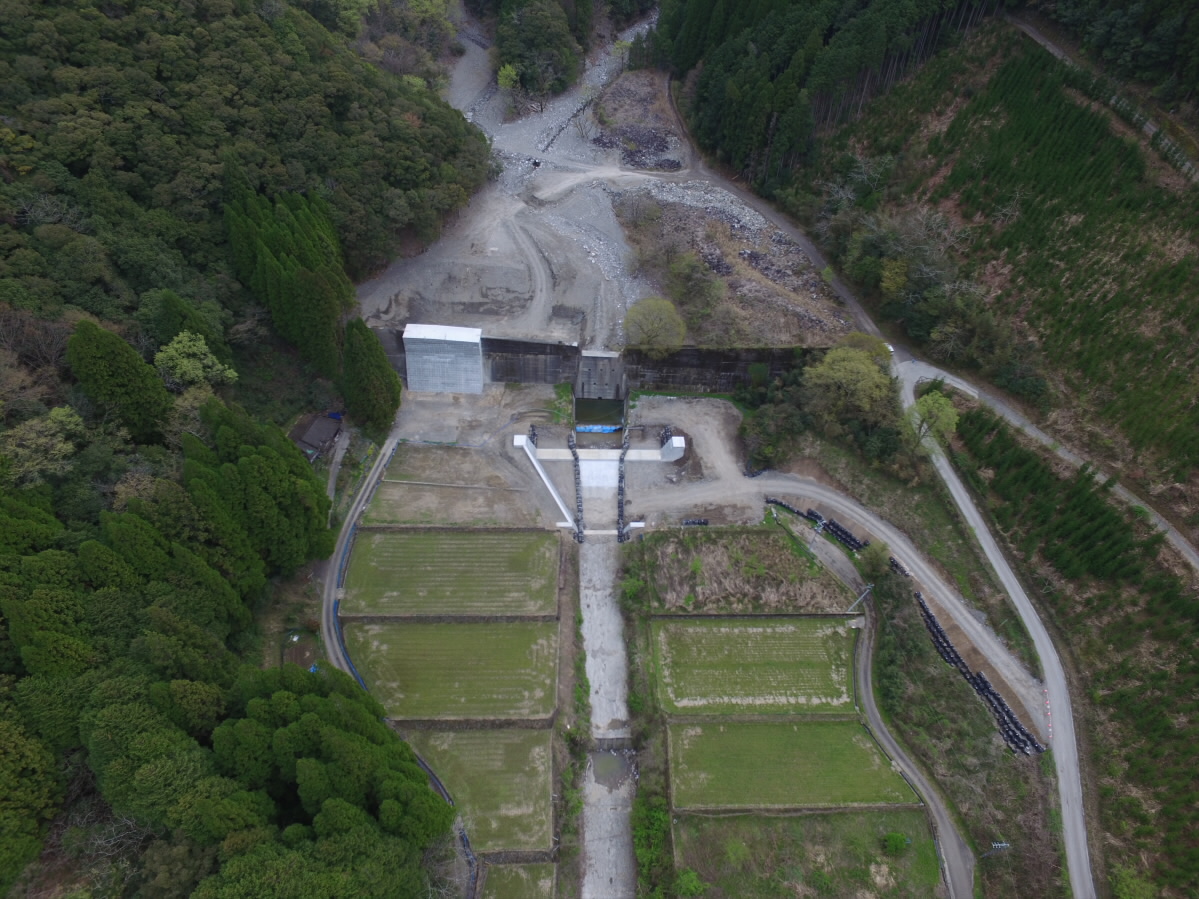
[(540, 44), (152, 156), (773, 71), (1156, 42), (1010, 222), (1131, 620), (1052, 237), (117, 123)]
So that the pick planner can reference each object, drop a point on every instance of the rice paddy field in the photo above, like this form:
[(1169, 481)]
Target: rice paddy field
[(452, 573), (455, 671), (723, 666), (519, 882), (501, 781), (845, 855), (809, 764)]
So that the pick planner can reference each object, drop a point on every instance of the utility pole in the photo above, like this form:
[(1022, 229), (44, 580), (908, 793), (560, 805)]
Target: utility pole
[(995, 848), (865, 593)]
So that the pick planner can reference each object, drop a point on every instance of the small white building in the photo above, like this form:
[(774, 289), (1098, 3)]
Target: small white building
[(444, 359)]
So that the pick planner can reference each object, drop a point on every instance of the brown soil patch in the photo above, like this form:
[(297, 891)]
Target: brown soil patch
[(444, 465), (638, 98), (807, 467), (407, 504), (300, 649)]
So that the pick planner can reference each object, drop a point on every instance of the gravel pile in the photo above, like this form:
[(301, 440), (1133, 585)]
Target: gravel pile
[(719, 204), (642, 147)]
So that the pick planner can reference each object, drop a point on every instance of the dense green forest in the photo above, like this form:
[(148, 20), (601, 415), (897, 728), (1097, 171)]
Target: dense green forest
[(1154, 41), (773, 71), (171, 176), (539, 44), (187, 772)]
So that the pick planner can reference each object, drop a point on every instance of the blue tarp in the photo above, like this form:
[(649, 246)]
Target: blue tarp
[(597, 429)]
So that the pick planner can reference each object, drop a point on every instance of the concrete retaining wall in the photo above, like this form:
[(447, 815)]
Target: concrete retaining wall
[(690, 370)]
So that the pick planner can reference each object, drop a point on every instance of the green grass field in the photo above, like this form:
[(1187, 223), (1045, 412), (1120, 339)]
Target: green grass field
[(506, 670), (817, 764), (519, 882), (501, 781), (840, 856), (743, 665), (452, 573)]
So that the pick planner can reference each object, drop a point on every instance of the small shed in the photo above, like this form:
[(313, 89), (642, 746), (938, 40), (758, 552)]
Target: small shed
[(320, 436)]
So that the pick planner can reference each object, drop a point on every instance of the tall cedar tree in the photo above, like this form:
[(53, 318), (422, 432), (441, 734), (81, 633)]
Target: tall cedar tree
[(370, 385), (116, 378), (289, 256)]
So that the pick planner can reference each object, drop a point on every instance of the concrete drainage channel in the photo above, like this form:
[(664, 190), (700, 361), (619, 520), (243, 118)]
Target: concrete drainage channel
[(609, 781)]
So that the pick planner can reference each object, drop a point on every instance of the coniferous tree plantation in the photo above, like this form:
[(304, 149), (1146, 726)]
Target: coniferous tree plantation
[(170, 175), (1026, 234)]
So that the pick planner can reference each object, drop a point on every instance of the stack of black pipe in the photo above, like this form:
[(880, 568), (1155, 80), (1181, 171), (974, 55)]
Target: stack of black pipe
[(812, 515), (941, 639), (695, 522), (844, 535), (1015, 734), (899, 568)]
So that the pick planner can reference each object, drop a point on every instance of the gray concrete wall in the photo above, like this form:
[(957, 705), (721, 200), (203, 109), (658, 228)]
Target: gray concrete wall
[(444, 366), (691, 370), (530, 361), (697, 370)]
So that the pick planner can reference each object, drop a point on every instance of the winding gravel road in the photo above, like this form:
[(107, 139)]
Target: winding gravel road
[(1062, 739), (954, 852)]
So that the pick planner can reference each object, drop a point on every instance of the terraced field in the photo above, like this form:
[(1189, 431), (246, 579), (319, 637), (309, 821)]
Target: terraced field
[(754, 666), (519, 882), (810, 764), (454, 671), (406, 503), (443, 465), (501, 781), (452, 573)]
